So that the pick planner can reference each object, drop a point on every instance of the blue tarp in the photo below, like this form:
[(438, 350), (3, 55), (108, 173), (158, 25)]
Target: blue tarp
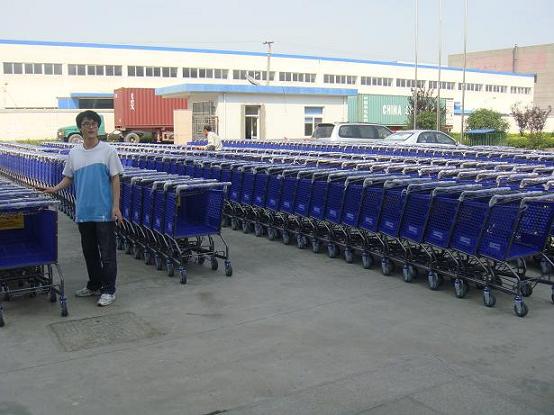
[(481, 131)]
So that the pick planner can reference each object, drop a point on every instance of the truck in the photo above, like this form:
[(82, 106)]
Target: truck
[(72, 134), (139, 111)]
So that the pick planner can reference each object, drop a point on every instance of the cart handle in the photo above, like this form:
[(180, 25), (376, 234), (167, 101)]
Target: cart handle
[(389, 184), (475, 194), (212, 185), (462, 187), (418, 187), (498, 199)]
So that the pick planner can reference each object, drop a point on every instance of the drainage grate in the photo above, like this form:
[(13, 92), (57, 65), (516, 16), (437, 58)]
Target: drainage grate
[(92, 332)]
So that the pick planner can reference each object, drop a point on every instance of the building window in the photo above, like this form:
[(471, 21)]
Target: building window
[(31, 68), (375, 81), (470, 87), (312, 117), (296, 77), (496, 88), (409, 83), (339, 79), (95, 103), (520, 90)]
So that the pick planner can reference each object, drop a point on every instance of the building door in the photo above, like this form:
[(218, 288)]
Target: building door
[(251, 122)]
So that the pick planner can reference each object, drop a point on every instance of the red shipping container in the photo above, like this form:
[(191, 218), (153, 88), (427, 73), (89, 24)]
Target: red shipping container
[(141, 108)]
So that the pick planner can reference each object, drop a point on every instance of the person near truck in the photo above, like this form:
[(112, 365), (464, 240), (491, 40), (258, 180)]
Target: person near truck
[(214, 141), (93, 166)]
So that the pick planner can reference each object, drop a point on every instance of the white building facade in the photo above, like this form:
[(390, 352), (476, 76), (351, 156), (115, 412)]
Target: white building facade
[(45, 84)]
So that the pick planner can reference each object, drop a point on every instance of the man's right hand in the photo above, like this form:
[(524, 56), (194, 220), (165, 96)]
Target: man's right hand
[(50, 190)]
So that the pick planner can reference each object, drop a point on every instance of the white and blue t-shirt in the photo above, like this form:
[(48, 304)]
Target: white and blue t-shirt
[(91, 171)]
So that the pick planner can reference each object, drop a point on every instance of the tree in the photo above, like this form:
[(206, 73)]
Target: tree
[(521, 116), (537, 119), (426, 110), (485, 118)]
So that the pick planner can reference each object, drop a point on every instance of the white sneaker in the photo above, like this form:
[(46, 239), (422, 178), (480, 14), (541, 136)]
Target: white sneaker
[(85, 292), (106, 299)]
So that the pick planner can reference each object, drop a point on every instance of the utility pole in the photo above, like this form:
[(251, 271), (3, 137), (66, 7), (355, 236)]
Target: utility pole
[(464, 72), (268, 43), (415, 47), (439, 111)]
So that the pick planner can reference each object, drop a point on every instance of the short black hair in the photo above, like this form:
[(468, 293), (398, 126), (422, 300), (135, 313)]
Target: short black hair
[(207, 128), (91, 115)]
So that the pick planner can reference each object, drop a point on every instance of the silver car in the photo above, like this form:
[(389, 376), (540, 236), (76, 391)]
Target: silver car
[(421, 137), (351, 133)]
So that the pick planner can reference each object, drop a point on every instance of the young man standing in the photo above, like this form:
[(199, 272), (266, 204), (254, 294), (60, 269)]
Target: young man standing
[(214, 142), (94, 167)]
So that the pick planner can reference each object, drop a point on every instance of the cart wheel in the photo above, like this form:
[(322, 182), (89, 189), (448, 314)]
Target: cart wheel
[(520, 308), (147, 257), (434, 280), (127, 246), (225, 221), (316, 246), (409, 272), (119, 243), (258, 229), (170, 268), (234, 224), (367, 260), (546, 267), (488, 297), (137, 252), (63, 306), (158, 262), (526, 288), (245, 227), (286, 237), (228, 269), (552, 295), (300, 241), (332, 251), (520, 266), (348, 255), (182, 275), (2, 322), (52, 295), (271, 233), (460, 288), (214, 264), (386, 266), (200, 260)]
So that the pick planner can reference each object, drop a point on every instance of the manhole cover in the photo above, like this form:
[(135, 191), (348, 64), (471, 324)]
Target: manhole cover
[(92, 332)]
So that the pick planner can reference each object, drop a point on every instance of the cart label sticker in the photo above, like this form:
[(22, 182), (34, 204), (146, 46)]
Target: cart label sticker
[(494, 246), (437, 234), (317, 210), (389, 224), (12, 222), (464, 240), (332, 213), (350, 216), (412, 229)]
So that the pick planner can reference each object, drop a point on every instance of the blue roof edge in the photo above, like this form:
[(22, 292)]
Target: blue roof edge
[(244, 53), (254, 89)]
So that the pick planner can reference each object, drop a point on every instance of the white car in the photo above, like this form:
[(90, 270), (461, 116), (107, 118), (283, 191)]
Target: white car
[(421, 137), (350, 133)]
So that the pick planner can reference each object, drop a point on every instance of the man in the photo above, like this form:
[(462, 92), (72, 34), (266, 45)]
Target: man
[(94, 167), (214, 142)]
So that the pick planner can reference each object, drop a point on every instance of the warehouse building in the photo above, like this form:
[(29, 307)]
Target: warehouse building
[(44, 84)]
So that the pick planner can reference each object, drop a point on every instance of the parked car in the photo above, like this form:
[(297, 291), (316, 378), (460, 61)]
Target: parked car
[(424, 137), (352, 133)]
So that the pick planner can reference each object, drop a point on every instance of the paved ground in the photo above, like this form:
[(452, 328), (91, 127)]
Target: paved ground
[(290, 333)]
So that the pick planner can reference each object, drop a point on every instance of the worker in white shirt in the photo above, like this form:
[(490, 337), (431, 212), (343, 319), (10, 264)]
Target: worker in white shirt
[(214, 141)]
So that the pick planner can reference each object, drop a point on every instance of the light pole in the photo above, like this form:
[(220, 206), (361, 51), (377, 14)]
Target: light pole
[(440, 67), (268, 43), (415, 47), (464, 72)]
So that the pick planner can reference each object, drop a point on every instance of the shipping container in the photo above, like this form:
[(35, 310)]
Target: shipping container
[(140, 109)]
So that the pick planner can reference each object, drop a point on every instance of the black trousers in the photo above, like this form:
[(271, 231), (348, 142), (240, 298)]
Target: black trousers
[(98, 242)]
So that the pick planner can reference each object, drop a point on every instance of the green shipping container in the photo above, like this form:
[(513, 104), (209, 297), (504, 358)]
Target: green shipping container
[(380, 109)]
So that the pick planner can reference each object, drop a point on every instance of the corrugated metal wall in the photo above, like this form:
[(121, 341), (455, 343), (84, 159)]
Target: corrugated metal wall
[(380, 109)]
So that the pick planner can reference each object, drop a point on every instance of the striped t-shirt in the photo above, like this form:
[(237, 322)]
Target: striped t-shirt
[(91, 171)]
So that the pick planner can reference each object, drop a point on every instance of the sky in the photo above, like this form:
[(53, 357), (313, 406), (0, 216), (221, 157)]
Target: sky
[(370, 29)]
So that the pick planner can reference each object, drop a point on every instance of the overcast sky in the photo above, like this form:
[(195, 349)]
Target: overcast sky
[(365, 29)]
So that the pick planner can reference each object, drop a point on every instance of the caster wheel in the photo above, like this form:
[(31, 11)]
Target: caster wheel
[(367, 260), (225, 222), (52, 296), (348, 255), (546, 267), (127, 247), (386, 266), (63, 306), (137, 252), (316, 246), (460, 288), (488, 297), (182, 275), (234, 224), (214, 264), (332, 250), (245, 227), (526, 289), (147, 257), (552, 295), (158, 262), (2, 322), (409, 272), (258, 230), (434, 280), (170, 268), (120, 245), (200, 260), (271, 234), (300, 243), (228, 269), (286, 237), (520, 308)]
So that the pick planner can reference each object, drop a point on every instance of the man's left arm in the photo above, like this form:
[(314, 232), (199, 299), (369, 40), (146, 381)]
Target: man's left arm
[(116, 191)]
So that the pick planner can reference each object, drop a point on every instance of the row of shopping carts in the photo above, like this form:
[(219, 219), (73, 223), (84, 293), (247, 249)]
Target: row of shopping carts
[(472, 222), (169, 219), (28, 246)]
